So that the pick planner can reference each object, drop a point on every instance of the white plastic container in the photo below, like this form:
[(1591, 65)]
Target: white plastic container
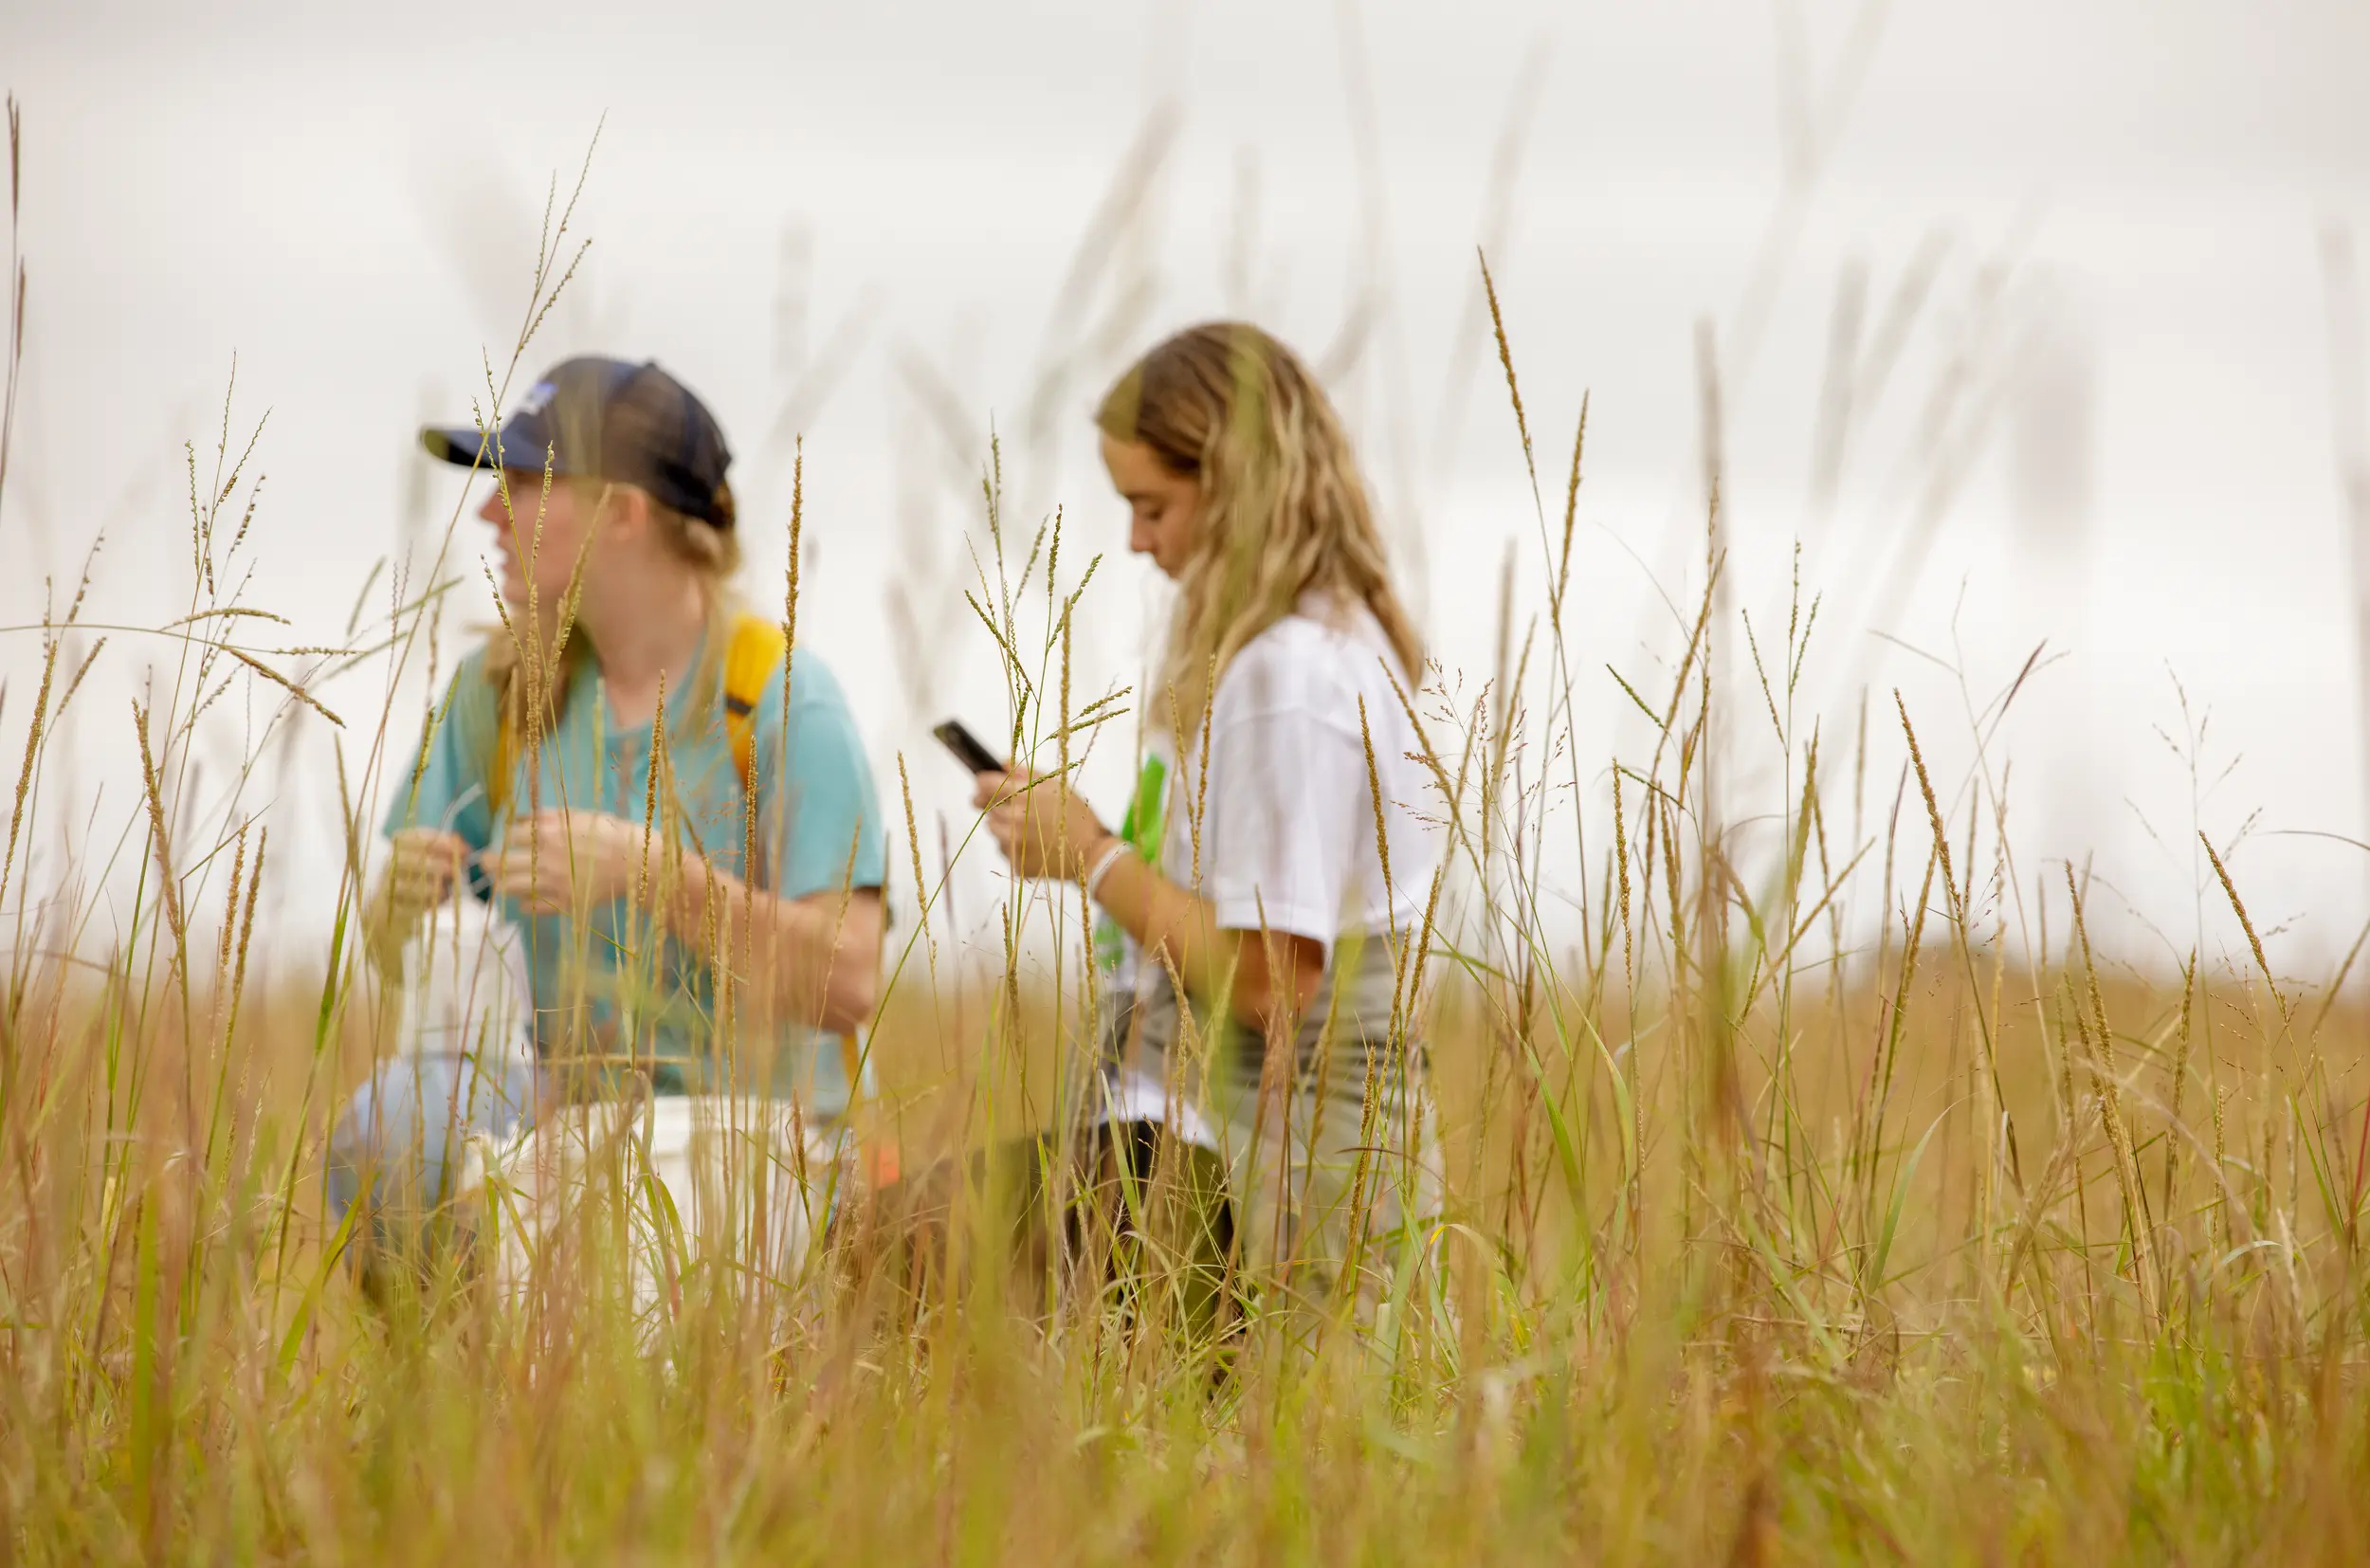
[(702, 1183), (465, 989)]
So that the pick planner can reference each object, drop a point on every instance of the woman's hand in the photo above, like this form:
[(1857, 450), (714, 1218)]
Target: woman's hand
[(421, 866), (1043, 829), (422, 863), (557, 861)]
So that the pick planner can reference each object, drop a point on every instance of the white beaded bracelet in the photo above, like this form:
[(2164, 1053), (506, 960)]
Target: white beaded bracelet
[(1102, 867)]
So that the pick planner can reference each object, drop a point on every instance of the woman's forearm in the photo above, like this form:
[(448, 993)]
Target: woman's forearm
[(815, 959), (385, 926), (1264, 977), (1265, 982), (1168, 922)]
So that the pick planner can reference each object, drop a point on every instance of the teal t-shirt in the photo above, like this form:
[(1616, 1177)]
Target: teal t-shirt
[(618, 986)]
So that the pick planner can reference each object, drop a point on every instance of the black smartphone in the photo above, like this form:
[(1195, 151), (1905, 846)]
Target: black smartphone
[(968, 748)]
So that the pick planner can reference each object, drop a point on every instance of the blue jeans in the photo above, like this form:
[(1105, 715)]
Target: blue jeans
[(400, 1139)]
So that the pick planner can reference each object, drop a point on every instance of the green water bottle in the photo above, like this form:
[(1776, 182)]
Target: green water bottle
[(1140, 829)]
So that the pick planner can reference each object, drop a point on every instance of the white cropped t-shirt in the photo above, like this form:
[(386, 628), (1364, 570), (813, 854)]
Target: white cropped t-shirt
[(1287, 839)]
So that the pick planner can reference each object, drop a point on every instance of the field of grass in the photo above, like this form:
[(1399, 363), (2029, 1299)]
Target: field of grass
[(1811, 1197)]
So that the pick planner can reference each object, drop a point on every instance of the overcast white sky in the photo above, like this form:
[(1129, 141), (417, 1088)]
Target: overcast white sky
[(2121, 205)]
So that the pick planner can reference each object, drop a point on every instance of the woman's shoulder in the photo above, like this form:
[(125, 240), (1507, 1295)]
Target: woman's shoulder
[(811, 716), (1318, 660), (810, 737), (472, 687), (475, 669), (813, 688)]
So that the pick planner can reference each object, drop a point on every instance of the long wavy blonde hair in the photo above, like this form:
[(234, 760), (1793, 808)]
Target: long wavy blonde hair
[(1282, 508)]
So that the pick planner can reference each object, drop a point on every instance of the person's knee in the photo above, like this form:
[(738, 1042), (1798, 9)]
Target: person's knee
[(356, 1148), (411, 1115)]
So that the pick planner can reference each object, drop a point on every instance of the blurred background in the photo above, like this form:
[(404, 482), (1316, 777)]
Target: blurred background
[(2029, 322)]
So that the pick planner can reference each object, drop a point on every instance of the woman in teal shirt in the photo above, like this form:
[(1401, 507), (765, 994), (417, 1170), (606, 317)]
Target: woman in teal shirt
[(756, 848)]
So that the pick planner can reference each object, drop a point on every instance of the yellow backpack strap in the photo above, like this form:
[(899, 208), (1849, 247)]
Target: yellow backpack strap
[(753, 661), (502, 759)]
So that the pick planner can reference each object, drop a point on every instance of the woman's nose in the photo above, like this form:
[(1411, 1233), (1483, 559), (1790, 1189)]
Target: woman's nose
[(494, 511)]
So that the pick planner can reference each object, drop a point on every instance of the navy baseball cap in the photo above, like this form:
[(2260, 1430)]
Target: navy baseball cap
[(611, 419)]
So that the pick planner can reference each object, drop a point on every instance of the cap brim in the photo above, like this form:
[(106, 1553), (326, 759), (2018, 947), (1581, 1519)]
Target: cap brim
[(465, 446), (462, 447)]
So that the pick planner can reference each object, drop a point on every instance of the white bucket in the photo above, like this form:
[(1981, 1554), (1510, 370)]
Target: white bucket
[(733, 1188), (466, 990)]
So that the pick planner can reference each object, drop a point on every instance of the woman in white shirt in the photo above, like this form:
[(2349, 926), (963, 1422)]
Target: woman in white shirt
[(1251, 864)]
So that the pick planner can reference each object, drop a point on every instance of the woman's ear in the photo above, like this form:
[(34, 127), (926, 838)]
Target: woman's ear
[(623, 509)]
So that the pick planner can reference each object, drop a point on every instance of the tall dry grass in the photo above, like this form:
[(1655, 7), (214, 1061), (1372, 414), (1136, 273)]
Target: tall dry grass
[(1819, 1201)]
